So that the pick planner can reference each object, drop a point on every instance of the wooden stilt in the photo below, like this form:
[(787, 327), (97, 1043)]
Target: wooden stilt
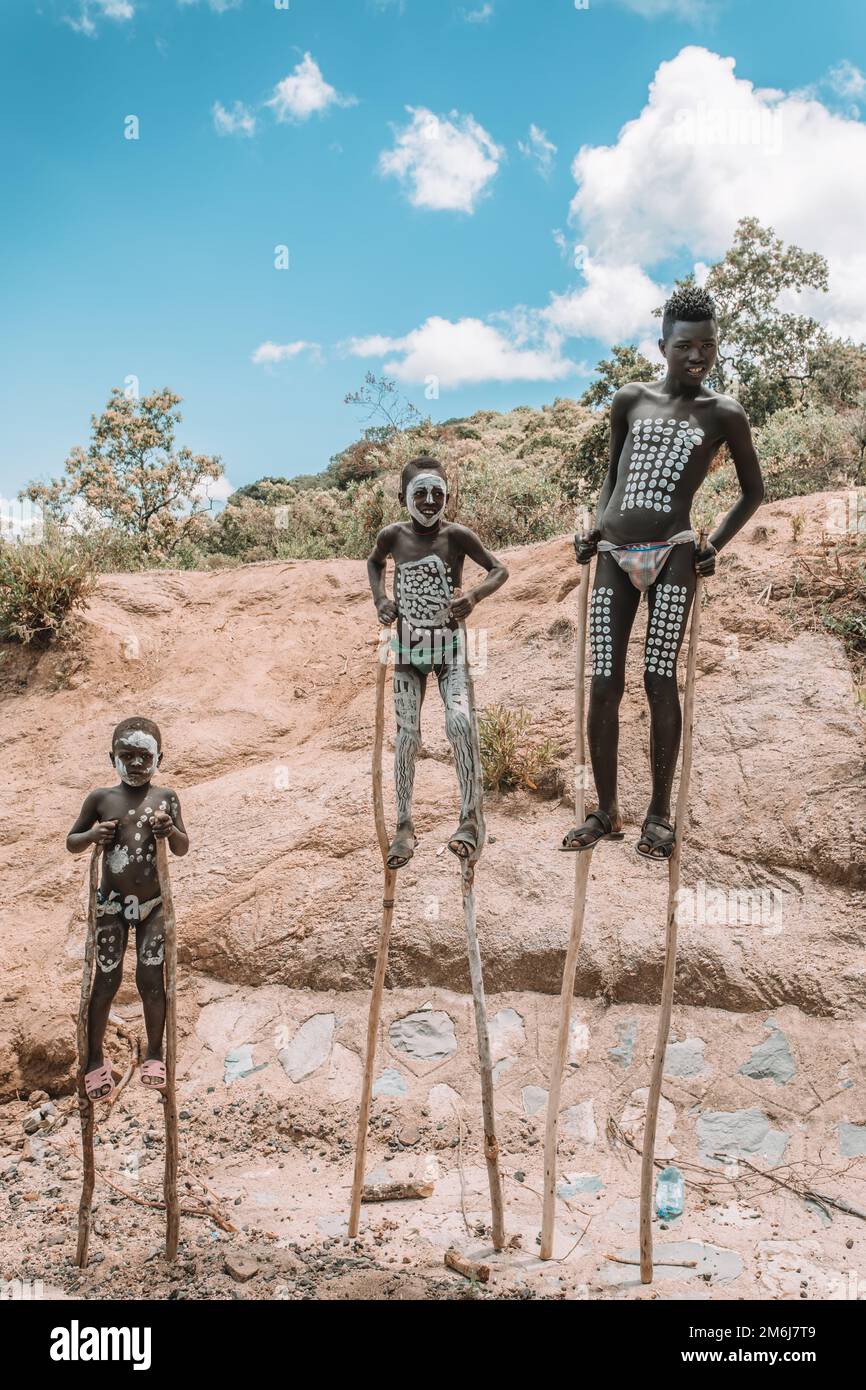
[(581, 876), (85, 1106), (485, 1064), (169, 1097), (664, 1023), (390, 879)]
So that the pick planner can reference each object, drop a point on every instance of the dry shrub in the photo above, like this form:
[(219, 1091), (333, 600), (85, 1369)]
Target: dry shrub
[(40, 586), (512, 756)]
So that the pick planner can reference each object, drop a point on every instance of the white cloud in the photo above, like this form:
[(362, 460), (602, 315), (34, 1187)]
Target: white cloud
[(479, 16), (615, 303), (305, 92), (465, 352), (239, 120), (846, 80), (446, 164), (678, 9), (269, 354), (539, 149), (91, 10), (218, 6), (685, 170)]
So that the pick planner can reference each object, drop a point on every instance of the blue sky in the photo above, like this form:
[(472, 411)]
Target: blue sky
[(431, 167)]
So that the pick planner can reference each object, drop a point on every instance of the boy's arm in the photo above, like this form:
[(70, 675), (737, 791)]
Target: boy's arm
[(385, 607), (87, 829), (585, 547), (169, 825), (497, 574), (738, 437)]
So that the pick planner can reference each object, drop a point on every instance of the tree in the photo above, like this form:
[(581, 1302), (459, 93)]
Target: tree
[(767, 356), (583, 471), (132, 477), (382, 401)]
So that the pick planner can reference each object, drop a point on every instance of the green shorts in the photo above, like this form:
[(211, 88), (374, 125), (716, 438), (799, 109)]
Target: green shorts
[(440, 646)]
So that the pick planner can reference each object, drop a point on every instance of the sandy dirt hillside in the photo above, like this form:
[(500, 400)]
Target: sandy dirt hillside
[(261, 679)]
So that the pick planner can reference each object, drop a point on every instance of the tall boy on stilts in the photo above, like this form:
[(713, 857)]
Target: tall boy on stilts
[(430, 609), (663, 438)]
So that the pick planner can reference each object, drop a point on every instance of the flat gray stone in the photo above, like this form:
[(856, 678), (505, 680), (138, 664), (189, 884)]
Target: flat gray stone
[(534, 1099), (578, 1122), (238, 1063), (852, 1140), (579, 1182), (390, 1083), (427, 1035), (686, 1058), (624, 1050), (771, 1060), (737, 1134), (721, 1265), (507, 1034), (309, 1048)]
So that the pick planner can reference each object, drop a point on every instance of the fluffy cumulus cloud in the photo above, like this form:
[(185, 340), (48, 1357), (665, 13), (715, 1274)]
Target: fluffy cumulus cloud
[(445, 164), (305, 93), (614, 303), (539, 149), (687, 168), (466, 352), (239, 120), (268, 354)]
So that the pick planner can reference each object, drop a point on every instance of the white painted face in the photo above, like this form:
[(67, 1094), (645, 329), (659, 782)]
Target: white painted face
[(132, 768), (421, 489)]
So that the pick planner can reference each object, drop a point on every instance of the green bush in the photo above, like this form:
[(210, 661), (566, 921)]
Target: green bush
[(804, 449), (40, 586)]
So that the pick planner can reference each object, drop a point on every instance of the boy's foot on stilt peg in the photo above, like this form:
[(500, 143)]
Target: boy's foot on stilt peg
[(99, 1083), (153, 1074), (464, 841), (402, 847), (657, 838), (597, 826)]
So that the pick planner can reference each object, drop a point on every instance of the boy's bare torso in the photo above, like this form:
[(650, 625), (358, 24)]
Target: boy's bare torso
[(129, 861), (666, 455)]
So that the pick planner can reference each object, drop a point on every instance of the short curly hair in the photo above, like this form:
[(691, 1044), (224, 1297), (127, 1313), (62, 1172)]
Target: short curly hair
[(688, 304)]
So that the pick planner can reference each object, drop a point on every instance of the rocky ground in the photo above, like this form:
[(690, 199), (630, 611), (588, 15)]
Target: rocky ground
[(268, 1089), (261, 679)]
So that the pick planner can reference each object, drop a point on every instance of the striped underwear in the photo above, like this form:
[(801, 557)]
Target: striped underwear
[(643, 563)]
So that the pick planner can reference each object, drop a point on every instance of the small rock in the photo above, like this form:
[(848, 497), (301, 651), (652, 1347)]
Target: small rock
[(240, 1269), (36, 1097)]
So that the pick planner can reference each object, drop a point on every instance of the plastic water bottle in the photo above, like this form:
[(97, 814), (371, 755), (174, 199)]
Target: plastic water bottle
[(670, 1194)]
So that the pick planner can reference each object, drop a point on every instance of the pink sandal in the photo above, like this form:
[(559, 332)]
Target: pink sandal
[(153, 1075), (99, 1083)]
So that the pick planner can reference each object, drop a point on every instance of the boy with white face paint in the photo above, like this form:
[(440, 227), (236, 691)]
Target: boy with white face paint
[(126, 820), (428, 607)]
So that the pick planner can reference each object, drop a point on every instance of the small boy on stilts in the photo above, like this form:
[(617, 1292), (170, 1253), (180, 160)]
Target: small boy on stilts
[(429, 554), (126, 820), (663, 438)]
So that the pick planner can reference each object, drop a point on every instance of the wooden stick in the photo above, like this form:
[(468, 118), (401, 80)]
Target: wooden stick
[(85, 1105), (467, 880), (470, 1269), (667, 999), (169, 1098), (390, 879), (581, 876)]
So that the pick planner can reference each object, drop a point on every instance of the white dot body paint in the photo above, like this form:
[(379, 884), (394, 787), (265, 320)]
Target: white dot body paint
[(118, 858), (422, 485)]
